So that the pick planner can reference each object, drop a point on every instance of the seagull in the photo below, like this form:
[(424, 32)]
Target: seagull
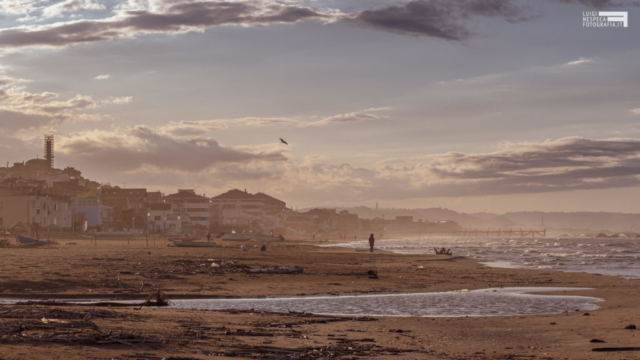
[(284, 142)]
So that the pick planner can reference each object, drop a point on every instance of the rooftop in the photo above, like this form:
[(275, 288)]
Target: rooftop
[(123, 193), (236, 194), (184, 194), (269, 198)]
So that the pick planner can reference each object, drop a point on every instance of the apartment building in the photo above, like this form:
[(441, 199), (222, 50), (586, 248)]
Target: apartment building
[(195, 208)]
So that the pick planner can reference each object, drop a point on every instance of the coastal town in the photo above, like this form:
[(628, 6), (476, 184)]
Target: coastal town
[(35, 194)]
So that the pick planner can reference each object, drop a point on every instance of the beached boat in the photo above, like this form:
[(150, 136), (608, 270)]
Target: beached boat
[(192, 238), (266, 238), (181, 243), (237, 237), (23, 240)]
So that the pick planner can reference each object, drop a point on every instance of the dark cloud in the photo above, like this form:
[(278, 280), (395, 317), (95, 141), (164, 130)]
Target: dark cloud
[(439, 18), (177, 17), (562, 165)]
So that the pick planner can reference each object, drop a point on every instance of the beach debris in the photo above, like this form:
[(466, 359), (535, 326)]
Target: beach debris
[(372, 274), (586, 314), (420, 267), (597, 341), (555, 324), (263, 248), (443, 251), (244, 248), (156, 299), (630, 327), (617, 349), (278, 270)]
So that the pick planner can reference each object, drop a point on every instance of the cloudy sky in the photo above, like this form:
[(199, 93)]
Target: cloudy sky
[(495, 105)]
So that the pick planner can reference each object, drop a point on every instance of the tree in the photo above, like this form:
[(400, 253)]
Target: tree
[(87, 195), (71, 171)]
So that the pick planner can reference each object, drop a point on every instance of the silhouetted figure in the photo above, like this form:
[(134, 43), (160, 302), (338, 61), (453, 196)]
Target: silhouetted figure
[(372, 241), (284, 142), (208, 237)]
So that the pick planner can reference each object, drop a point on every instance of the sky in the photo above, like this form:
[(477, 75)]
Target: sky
[(473, 105)]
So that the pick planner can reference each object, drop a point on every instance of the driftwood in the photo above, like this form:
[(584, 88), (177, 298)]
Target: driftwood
[(278, 270), (443, 251)]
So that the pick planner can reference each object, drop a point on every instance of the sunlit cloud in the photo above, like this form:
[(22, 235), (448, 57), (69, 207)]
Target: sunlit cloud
[(22, 110), (199, 127), (580, 61)]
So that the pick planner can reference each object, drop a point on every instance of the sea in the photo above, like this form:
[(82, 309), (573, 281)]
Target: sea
[(611, 256)]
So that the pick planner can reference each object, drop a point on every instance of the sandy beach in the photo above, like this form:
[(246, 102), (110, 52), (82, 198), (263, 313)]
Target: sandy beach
[(121, 269)]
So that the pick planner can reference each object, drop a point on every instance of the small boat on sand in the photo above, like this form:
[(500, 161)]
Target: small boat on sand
[(23, 240), (267, 238), (182, 243), (187, 238), (237, 237)]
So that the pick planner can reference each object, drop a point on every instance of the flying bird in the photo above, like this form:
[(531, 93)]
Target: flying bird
[(284, 142)]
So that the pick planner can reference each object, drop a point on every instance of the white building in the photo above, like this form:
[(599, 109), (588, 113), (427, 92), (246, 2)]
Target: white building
[(165, 217), (195, 208), (236, 208)]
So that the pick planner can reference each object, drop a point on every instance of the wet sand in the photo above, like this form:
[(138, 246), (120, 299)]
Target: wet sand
[(116, 269)]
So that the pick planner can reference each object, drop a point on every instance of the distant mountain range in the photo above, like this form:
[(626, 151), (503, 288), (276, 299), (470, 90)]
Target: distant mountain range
[(559, 221)]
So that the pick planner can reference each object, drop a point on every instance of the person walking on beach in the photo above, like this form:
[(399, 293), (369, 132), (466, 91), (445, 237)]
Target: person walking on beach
[(208, 237), (372, 240)]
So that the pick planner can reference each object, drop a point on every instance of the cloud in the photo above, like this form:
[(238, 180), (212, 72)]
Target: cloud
[(443, 19), (102, 77), (523, 168), (200, 127), (580, 61), (138, 155), (22, 110), (142, 149), (66, 6), (343, 119), (169, 17), (21, 7), (635, 111)]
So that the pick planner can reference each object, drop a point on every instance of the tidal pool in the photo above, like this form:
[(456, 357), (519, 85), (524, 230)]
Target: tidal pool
[(485, 302)]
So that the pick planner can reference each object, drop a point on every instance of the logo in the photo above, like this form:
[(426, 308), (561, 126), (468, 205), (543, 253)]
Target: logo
[(605, 19)]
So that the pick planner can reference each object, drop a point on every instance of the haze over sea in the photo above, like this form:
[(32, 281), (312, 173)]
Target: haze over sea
[(616, 257)]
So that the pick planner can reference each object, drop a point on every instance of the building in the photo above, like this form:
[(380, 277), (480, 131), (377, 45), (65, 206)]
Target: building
[(195, 208), (28, 206), (117, 198), (165, 217), (94, 213), (272, 205), (70, 189), (236, 209), (154, 197)]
